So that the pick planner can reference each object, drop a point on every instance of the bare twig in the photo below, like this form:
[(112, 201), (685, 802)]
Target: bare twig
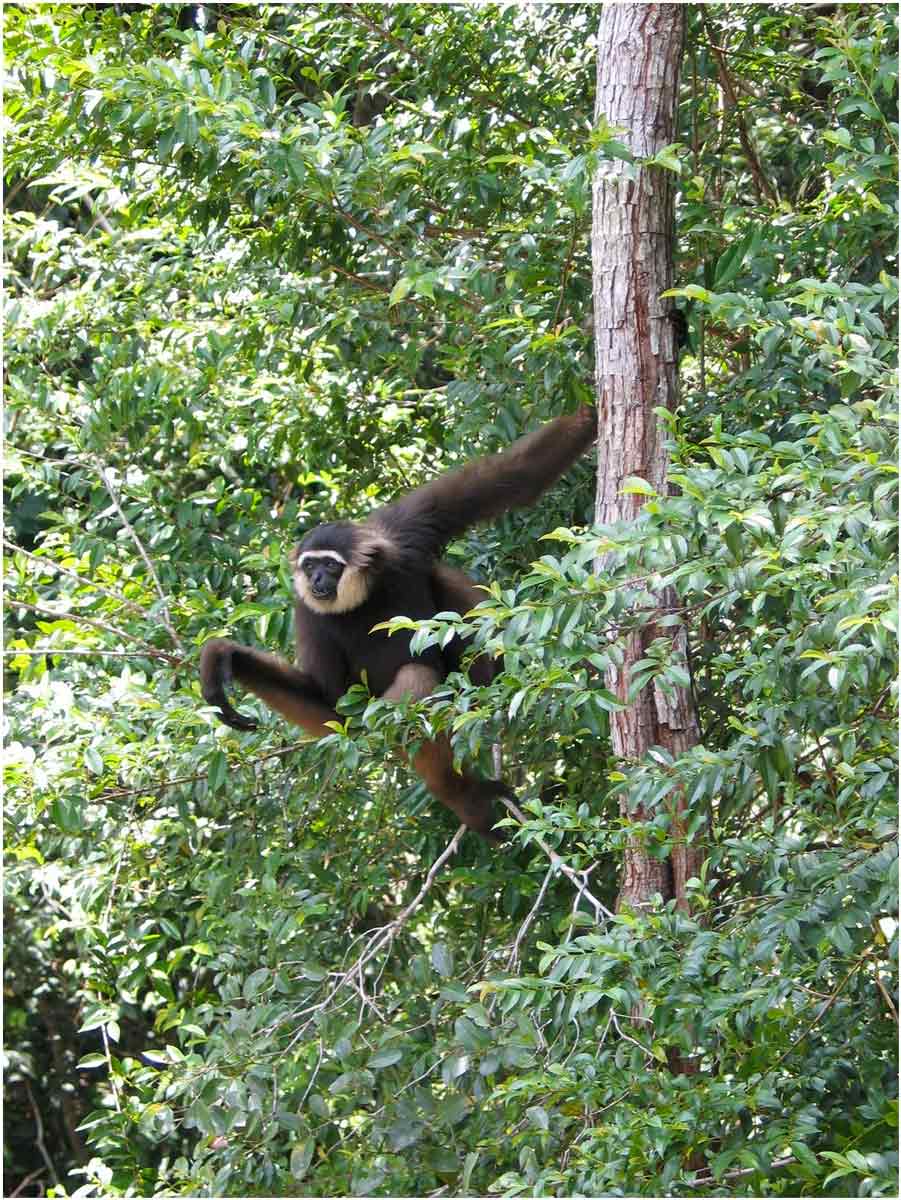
[(164, 607), (564, 274), (705, 1179), (30, 1178), (616, 1025), (764, 187), (109, 1066), (316, 1070), (75, 615), (52, 650), (360, 280), (823, 1009), (887, 998), (97, 587), (39, 1134), (577, 878), (104, 921), (378, 940), (162, 785), (533, 912)]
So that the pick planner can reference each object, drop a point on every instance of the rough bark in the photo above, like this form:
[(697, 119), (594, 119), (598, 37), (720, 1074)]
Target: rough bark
[(638, 61)]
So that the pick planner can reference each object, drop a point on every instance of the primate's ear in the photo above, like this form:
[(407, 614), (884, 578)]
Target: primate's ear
[(372, 550)]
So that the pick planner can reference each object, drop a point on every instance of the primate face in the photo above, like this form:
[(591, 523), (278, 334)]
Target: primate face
[(322, 569), (330, 576)]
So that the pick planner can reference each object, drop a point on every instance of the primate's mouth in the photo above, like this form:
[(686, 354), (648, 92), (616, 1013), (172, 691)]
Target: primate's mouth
[(322, 593)]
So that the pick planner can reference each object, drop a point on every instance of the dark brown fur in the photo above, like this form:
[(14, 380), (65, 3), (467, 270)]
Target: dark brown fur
[(393, 569)]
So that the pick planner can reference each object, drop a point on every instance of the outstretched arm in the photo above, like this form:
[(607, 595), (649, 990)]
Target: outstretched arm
[(293, 693), (425, 520)]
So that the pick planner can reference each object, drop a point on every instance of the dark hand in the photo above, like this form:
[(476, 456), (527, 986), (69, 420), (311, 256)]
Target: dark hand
[(215, 676)]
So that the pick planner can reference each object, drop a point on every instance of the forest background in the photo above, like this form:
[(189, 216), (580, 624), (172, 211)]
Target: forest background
[(266, 264)]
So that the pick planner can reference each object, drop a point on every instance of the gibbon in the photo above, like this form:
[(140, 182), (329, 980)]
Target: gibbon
[(349, 577)]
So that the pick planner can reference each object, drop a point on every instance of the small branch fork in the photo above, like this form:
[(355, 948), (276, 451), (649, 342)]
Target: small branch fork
[(52, 565), (82, 618), (377, 940), (533, 912), (765, 189), (165, 616), (579, 879)]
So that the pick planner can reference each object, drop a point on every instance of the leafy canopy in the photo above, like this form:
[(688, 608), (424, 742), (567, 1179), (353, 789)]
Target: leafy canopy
[(269, 264)]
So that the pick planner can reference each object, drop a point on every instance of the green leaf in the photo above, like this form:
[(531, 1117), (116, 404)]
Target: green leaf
[(539, 1118), (302, 1157), (633, 485), (91, 1060), (217, 770), (401, 289), (255, 982), (442, 960), (668, 158), (93, 760), (468, 1167), (385, 1058)]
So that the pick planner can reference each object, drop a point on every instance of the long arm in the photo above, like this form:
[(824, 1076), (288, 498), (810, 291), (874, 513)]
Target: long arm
[(293, 693), (426, 519)]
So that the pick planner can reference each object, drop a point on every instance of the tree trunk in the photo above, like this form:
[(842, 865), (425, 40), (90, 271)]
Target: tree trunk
[(639, 55)]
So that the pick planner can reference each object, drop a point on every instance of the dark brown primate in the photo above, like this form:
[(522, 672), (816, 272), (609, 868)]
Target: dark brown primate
[(351, 576)]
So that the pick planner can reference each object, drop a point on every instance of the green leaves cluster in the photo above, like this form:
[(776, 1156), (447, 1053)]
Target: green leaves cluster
[(277, 268)]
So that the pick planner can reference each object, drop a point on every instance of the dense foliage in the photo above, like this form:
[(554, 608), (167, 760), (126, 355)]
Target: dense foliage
[(272, 263)]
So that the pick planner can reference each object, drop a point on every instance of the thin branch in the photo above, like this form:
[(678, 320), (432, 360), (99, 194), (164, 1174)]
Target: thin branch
[(564, 274), (379, 939), (357, 11), (151, 651), (316, 1070), (30, 1178), (824, 1008), (97, 587), (164, 607), (764, 187), (39, 1134), (359, 280), (644, 1049), (580, 884), (887, 998), (708, 1178), (51, 650), (533, 912), (109, 1065), (164, 784), (361, 228), (108, 908)]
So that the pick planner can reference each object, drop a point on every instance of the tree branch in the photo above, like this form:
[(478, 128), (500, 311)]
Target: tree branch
[(533, 912), (74, 615), (378, 939), (97, 587), (164, 606), (764, 187), (580, 884)]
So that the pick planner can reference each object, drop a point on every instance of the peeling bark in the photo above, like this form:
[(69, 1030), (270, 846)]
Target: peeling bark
[(639, 56)]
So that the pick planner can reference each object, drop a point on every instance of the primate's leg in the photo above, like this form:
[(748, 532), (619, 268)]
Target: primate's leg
[(468, 796), (297, 696)]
